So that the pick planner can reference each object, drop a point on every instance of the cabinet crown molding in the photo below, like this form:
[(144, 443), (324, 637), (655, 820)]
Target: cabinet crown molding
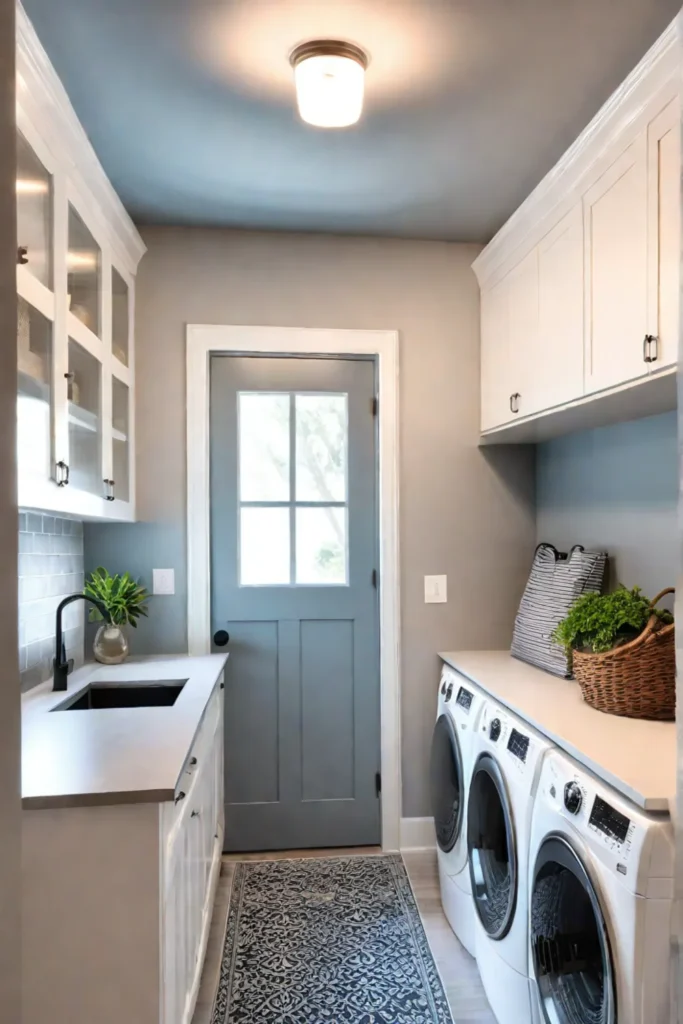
[(56, 120), (659, 69)]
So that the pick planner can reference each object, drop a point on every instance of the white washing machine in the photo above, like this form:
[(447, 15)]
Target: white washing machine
[(508, 755), (458, 711), (600, 888)]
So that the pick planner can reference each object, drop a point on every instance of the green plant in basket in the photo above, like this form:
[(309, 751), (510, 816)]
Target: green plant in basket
[(122, 596), (600, 622)]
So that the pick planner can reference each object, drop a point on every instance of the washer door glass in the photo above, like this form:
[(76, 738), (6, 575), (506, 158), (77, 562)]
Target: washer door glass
[(570, 946), (491, 848), (446, 783)]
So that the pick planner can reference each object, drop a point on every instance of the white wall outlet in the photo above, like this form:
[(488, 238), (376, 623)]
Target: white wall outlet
[(436, 589), (163, 581)]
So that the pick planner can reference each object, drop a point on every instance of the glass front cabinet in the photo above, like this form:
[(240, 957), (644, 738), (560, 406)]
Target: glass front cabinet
[(77, 255)]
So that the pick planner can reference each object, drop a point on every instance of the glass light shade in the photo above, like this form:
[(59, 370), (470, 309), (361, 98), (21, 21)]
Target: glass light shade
[(329, 90)]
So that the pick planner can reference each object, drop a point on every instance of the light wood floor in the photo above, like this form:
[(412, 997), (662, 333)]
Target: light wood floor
[(457, 968)]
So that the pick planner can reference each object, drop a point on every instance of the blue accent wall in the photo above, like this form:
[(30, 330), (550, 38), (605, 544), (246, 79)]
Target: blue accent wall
[(615, 489)]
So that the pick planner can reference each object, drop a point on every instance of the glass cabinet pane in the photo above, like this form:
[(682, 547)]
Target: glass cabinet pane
[(34, 212), (34, 391), (85, 420), (120, 439), (119, 314), (83, 263)]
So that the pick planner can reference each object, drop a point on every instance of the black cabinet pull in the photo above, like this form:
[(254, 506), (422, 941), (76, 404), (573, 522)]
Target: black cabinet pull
[(514, 402), (109, 490), (62, 474), (22, 255), (650, 342)]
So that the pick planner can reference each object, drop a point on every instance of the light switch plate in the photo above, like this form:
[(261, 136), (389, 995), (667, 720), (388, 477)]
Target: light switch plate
[(163, 581), (436, 589)]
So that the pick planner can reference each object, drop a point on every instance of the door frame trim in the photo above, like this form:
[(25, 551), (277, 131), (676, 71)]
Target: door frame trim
[(205, 340)]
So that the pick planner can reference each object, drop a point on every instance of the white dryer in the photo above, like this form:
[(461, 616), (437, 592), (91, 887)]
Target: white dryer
[(600, 887), (508, 755), (458, 711)]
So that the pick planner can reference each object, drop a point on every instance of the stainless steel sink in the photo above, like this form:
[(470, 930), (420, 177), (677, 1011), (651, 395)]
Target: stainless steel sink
[(128, 694)]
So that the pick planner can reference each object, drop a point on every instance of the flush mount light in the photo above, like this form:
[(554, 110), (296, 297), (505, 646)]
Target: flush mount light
[(330, 79)]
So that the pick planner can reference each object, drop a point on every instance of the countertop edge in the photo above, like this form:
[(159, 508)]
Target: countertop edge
[(653, 805), (112, 799)]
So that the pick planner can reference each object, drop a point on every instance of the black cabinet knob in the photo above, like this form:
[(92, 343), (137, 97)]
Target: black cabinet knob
[(221, 637)]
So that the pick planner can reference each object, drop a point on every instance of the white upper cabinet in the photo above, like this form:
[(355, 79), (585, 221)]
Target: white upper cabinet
[(522, 284), (580, 289), (495, 372), (664, 220), (77, 257), (558, 361), (615, 226)]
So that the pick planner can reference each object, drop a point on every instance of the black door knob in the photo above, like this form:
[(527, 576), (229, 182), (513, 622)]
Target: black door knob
[(221, 637)]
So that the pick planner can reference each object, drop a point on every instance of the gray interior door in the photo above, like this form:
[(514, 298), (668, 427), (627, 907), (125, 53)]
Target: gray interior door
[(293, 554)]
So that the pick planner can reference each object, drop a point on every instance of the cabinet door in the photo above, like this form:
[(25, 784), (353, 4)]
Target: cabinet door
[(664, 234), (615, 229), (522, 283), (556, 373), (495, 378)]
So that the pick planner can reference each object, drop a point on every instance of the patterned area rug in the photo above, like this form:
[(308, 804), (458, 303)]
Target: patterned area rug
[(335, 941)]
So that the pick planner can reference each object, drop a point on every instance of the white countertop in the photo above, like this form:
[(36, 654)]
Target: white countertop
[(636, 757), (113, 755)]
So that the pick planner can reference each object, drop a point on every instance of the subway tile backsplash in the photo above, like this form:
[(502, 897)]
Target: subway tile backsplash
[(50, 568)]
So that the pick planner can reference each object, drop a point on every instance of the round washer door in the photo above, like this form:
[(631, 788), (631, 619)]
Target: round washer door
[(491, 848), (447, 786), (571, 954)]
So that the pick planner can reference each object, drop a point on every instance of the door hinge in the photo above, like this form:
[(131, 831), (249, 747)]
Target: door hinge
[(378, 784), (374, 406), (374, 578)]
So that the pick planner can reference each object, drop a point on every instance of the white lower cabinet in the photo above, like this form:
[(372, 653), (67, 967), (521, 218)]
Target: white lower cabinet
[(191, 860), (117, 899)]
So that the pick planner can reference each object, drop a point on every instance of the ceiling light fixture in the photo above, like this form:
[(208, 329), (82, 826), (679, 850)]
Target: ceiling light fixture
[(330, 81)]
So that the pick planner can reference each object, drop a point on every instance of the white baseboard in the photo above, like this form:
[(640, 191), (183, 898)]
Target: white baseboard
[(417, 834)]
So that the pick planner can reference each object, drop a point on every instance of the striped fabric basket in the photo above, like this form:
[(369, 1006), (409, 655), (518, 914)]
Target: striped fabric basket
[(556, 580)]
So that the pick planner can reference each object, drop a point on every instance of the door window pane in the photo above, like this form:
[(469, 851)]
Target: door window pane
[(321, 441), (120, 439), (264, 546), (119, 317), (34, 390), (34, 212), (264, 446), (85, 428), (83, 262), (321, 545)]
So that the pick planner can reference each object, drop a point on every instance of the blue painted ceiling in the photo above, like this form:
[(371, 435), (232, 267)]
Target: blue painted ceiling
[(190, 105)]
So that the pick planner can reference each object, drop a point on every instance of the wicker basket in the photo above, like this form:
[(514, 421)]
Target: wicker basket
[(636, 680)]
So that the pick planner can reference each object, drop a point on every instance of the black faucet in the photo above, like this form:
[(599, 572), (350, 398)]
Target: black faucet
[(62, 667)]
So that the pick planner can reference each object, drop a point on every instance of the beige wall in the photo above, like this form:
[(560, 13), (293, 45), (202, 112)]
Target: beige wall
[(463, 512), (10, 803)]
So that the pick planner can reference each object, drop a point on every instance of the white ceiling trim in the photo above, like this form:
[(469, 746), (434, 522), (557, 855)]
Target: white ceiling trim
[(658, 73), (44, 101)]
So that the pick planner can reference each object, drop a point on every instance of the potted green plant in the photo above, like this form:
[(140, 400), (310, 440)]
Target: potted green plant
[(621, 649), (124, 601)]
